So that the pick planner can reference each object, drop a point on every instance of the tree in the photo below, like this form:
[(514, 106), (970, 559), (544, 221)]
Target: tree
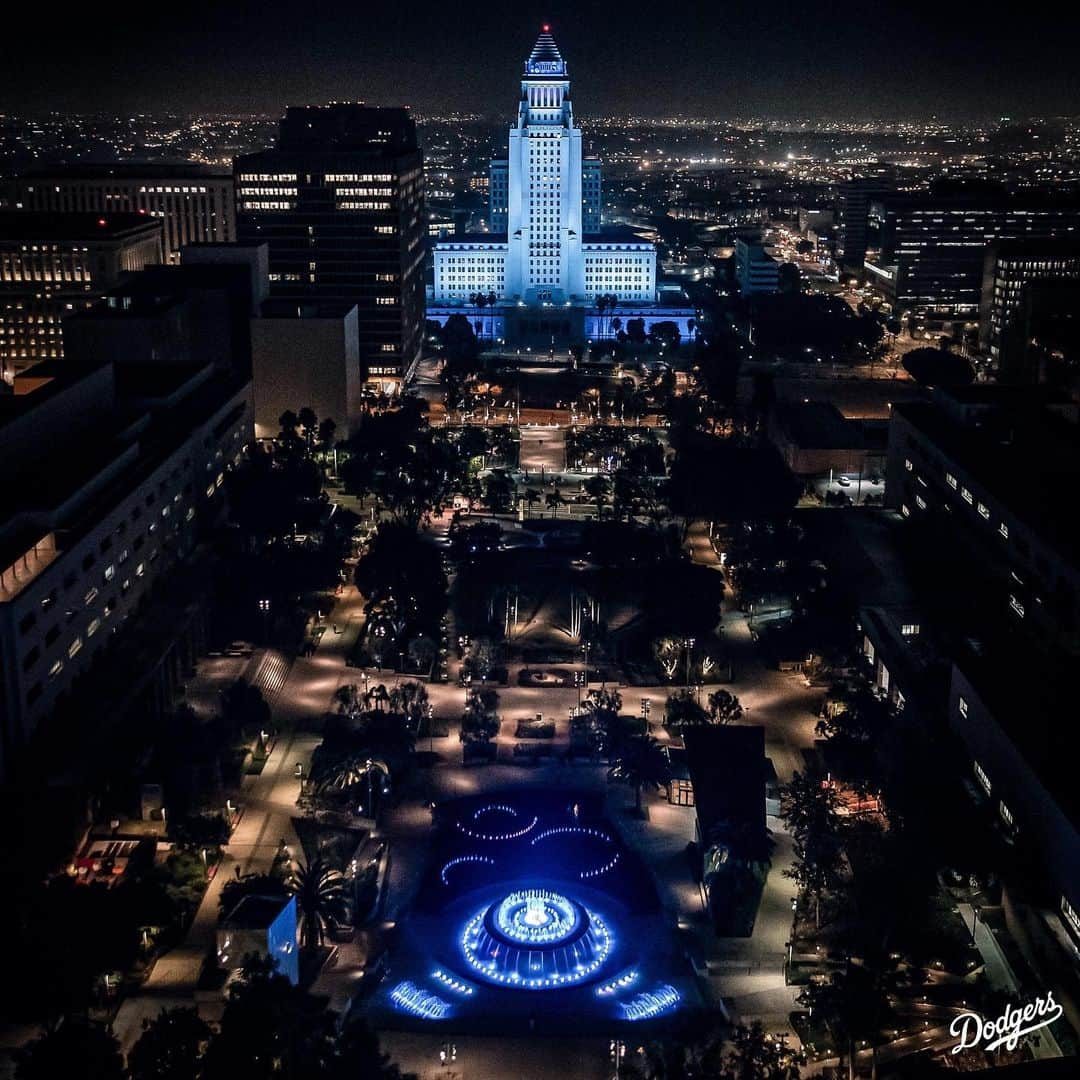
[(816, 870), (682, 711), (597, 488), (789, 279), (855, 1004), (935, 367), (244, 709), (499, 491), (640, 763), (724, 707), (459, 339), (270, 1030), (665, 334), (554, 500), (320, 897), (75, 1048), (170, 1046), (757, 1055), (809, 807), (480, 721)]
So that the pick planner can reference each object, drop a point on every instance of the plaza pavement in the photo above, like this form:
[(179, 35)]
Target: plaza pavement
[(747, 974)]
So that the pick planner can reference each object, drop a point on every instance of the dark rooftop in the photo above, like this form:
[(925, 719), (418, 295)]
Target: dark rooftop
[(181, 170), (33, 226), (728, 769), (256, 912), (1027, 456)]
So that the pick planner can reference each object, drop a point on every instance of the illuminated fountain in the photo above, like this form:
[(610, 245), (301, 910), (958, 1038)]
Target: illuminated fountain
[(536, 939)]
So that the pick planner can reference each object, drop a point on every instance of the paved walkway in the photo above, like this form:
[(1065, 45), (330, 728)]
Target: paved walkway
[(746, 973)]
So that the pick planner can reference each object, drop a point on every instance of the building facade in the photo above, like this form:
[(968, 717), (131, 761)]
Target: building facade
[(53, 265), (108, 480), (755, 270), (340, 204), (1014, 271), (546, 248), (194, 204), (931, 247)]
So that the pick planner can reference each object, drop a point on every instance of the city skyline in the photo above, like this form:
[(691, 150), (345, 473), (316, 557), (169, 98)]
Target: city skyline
[(797, 60)]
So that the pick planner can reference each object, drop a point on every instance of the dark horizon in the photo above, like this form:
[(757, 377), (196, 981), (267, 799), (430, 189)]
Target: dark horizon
[(789, 60)]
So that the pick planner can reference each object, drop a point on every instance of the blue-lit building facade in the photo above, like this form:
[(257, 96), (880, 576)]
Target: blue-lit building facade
[(546, 258)]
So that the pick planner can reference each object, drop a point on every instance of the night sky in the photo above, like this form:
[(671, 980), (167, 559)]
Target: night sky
[(860, 58)]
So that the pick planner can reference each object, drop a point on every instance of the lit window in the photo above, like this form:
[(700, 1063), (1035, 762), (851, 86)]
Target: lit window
[(1017, 606), (1006, 814), (967, 496), (920, 502), (905, 510), (1004, 530), (984, 780), (950, 480), (58, 666), (110, 572), (909, 629), (962, 705), (92, 627), (74, 647), (984, 510)]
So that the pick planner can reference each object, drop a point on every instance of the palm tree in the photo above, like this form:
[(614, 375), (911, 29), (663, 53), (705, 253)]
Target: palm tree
[(320, 896), (642, 764), (532, 497), (554, 501)]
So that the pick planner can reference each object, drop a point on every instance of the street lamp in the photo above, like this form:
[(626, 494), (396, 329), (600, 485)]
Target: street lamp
[(688, 644)]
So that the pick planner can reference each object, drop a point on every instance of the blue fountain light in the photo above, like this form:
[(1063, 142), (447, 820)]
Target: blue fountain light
[(650, 1003), (411, 998), (451, 982), (618, 984), (458, 862), (513, 834), (536, 939), (571, 830), (536, 916), (598, 870)]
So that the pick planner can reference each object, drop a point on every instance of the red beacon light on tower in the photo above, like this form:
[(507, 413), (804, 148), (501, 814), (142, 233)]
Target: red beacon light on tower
[(102, 222)]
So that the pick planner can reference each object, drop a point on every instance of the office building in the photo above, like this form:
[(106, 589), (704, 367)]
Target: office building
[(1021, 279), (987, 471), (193, 203), (55, 264), (853, 198), (982, 478), (931, 247), (755, 270), (339, 203), (110, 473), (197, 313)]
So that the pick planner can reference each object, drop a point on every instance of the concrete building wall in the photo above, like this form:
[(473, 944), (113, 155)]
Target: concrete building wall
[(306, 361)]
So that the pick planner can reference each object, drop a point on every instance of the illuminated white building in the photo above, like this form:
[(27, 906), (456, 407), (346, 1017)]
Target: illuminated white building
[(545, 259)]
